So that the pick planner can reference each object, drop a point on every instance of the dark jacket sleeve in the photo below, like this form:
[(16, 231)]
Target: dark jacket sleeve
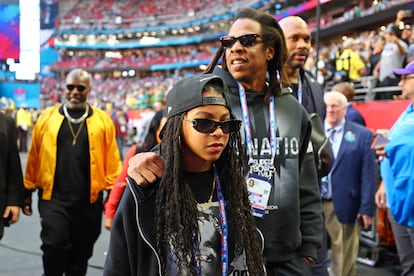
[(310, 201), (14, 179), (131, 247), (314, 93), (123, 241), (368, 178)]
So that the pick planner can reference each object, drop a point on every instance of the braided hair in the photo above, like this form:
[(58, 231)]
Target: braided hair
[(176, 209)]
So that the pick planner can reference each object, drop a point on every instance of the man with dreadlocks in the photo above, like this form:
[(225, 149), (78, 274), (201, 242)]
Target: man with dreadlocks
[(196, 220), (281, 166)]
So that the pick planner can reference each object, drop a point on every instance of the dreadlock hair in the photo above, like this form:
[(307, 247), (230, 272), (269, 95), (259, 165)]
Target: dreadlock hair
[(176, 209), (272, 35)]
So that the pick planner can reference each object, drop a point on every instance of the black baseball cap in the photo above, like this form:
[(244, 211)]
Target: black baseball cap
[(187, 94)]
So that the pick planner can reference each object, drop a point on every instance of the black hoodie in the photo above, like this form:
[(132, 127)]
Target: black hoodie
[(293, 221)]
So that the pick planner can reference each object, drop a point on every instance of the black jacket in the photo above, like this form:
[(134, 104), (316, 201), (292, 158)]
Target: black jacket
[(129, 236), (133, 235), (312, 98), (11, 178)]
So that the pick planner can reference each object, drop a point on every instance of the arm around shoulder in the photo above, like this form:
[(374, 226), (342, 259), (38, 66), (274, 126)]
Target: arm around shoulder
[(145, 168)]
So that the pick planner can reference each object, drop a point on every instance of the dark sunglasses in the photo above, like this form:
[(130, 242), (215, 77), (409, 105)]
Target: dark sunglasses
[(246, 40), (208, 126), (79, 87)]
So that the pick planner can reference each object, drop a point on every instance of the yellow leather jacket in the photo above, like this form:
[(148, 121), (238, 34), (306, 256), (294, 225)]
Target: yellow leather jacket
[(23, 119), (105, 162)]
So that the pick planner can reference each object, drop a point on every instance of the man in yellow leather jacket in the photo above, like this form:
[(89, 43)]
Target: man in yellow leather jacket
[(72, 159), (23, 123), (349, 60)]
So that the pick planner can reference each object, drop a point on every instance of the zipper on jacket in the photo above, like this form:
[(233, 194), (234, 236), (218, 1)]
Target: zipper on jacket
[(140, 229)]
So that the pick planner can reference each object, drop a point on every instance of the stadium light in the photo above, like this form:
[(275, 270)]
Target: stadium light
[(131, 73), (148, 40), (91, 39)]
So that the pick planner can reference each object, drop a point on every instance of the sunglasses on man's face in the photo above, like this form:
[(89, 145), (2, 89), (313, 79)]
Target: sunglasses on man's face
[(246, 40), (78, 87), (208, 126)]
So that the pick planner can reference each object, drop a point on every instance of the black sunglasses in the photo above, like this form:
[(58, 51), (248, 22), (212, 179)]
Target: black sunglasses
[(246, 40), (79, 87), (208, 126)]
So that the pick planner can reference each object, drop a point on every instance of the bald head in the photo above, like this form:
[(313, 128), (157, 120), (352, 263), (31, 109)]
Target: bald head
[(298, 43), (78, 87), (79, 75), (292, 22)]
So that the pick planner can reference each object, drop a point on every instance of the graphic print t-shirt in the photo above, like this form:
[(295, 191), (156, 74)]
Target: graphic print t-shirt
[(210, 229)]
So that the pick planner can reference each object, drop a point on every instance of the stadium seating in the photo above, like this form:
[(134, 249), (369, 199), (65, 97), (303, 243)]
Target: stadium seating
[(139, 18)]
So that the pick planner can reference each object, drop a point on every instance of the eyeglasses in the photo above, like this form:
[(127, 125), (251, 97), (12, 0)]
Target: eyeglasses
[(405, 77), (246, 40), (208, 126), (79, 87)]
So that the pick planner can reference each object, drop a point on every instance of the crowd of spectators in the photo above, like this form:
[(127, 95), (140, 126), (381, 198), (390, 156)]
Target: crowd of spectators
[(132, 93), (135, 59), (105, 9), (110, 14), (387, 47), (78, 62), (354, 12)]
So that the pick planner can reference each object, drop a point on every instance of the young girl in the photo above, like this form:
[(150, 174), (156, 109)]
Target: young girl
[(197, 219)]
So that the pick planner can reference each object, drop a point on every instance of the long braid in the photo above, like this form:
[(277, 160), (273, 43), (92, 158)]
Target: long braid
[(176, 208)]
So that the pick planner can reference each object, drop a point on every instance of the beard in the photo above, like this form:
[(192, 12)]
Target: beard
[(297, 64), (80, 105)]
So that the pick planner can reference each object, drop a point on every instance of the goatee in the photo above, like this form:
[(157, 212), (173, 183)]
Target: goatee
[(78, 106)]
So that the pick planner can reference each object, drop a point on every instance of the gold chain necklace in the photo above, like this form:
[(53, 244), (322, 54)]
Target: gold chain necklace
[(204, 206), (75, 135)]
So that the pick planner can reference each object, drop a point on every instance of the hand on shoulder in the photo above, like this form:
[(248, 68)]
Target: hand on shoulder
[(145, 168)]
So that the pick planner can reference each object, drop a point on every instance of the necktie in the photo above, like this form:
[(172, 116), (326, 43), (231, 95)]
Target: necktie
[(326, 185), (332, 132)]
